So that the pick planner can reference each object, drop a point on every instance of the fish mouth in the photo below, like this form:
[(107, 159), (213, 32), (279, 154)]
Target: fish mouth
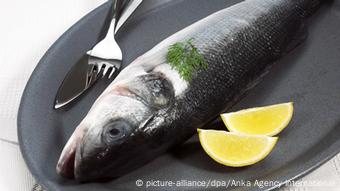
[(66, 163), (65, 166)]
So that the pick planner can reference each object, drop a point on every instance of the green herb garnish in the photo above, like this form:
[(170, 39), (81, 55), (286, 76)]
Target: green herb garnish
[(185, 58)]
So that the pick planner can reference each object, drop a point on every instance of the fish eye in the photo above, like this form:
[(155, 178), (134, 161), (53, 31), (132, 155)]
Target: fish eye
[(116, 130)]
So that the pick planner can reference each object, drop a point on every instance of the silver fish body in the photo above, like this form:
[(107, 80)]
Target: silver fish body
[(149, 108)]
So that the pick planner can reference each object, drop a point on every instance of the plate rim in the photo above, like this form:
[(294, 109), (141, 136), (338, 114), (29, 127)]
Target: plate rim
[(23, 103), (23, 98)]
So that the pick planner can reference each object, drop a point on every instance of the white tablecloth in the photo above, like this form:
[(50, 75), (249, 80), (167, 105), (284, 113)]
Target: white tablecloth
[(28, 28)]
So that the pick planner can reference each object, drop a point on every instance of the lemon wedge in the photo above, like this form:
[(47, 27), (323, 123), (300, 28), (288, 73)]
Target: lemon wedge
[(235, 149), (268, 120)]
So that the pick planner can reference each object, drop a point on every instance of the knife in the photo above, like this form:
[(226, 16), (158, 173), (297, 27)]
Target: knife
[(81, 77)]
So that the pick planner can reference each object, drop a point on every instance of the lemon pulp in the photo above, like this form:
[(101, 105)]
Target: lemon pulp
[(268, 120), (235, 149)]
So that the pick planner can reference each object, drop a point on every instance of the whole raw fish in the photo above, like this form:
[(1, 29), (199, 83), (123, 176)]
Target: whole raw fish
[(149, 107)]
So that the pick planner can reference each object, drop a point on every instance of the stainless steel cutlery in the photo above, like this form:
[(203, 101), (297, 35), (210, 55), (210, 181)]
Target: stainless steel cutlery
[(102, 61)]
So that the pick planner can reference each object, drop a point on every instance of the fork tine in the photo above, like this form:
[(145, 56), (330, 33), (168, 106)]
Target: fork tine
[(101, 66), (112, 72), (98, 68), (106, 69)]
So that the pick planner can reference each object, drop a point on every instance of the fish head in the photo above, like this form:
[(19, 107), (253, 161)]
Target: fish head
[(112, 137)]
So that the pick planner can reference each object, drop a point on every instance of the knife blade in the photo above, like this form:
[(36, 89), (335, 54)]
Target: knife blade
[(81, 77)]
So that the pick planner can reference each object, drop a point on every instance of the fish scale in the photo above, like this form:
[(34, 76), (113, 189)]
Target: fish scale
[(149, 108), (239, 45)]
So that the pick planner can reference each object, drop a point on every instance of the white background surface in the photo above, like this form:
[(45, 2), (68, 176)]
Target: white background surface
[(28, 28)]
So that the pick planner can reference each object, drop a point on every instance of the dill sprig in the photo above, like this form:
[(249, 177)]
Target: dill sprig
[(185, 58)]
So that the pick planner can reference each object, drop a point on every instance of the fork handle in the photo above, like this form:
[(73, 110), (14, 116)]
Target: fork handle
[(117, 8)]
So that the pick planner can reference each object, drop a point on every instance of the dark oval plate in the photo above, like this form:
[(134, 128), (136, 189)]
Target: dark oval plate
[(309, 76)]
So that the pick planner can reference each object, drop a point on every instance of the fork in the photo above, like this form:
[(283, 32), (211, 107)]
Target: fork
[(106, 55)]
